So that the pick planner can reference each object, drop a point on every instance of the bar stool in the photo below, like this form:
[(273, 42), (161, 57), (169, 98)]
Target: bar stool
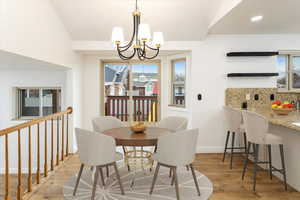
[(257, 131), (233, 122)]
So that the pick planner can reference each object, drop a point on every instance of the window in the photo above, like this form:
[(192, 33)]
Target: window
[(288, 67), (37, 102), (178, 72)]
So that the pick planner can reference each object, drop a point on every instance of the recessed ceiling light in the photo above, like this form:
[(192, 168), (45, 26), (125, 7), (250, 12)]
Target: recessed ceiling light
[(256, 18)]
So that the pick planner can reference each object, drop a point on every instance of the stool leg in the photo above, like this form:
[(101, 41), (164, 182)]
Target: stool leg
[(246, 160), (283, 165), (226, 144), (245, 141), (256, 149), (270, 160), (232, 146)]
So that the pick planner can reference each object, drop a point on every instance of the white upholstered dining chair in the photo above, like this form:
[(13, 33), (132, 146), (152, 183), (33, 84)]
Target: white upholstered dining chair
[(97, 150), (102, 123), (174, 123), (176, 150)]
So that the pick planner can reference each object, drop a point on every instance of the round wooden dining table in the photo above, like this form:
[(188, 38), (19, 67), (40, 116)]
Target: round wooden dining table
[(125, 137)]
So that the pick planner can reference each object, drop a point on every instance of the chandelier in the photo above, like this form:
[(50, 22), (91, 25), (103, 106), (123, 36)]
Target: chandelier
[(141, 43)]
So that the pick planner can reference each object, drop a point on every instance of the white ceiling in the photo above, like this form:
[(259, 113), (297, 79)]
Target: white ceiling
[(280, 16), (179, 19), (9, 61)]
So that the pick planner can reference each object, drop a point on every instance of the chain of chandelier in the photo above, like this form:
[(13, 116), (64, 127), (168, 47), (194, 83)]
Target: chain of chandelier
[(141, 43)]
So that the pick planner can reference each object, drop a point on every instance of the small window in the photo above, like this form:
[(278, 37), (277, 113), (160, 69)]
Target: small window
[(178, 72), (37, 102), (282, 64), (288, 67)]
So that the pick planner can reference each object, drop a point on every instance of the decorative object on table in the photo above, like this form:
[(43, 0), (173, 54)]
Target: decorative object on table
[(140, 190), (140, 43), (139, 127), (282, 108)]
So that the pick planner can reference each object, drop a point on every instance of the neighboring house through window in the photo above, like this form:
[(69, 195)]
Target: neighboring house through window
[(37, 102), (178, 76), (288, 67)]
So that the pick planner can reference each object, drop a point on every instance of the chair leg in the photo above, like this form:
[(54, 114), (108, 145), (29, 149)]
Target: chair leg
[(226, 144), (78, 179), (107, 171), (256, 150), (245, 141), (124, 151), (187, 168), (246, 160), (94, 186), (101, 174), (176, 183), (270, 160), (195, 179), (283, 165), (154, 178), (118, 177), (173, 178), (170, 173), (232, 146)]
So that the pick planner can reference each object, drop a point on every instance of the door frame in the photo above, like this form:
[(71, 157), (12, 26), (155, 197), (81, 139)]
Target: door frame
[(130, 62)]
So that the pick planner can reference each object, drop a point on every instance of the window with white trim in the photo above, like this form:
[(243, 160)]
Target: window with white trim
[(178, 76), (288, 67), (37, 102)]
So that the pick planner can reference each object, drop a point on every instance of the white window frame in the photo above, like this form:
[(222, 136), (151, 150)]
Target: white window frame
[(173, 61), (18, 101), (289, 70)]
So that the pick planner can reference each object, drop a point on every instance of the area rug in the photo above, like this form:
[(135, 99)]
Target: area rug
[(137, 185)]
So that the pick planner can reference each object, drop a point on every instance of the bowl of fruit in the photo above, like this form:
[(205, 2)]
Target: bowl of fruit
[(282, 108), (139, 127)]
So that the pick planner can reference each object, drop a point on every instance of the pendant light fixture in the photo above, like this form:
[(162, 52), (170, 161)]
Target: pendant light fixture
[(141, 43)]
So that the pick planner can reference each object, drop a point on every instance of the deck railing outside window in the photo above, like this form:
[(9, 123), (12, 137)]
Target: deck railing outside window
[(145, 108)]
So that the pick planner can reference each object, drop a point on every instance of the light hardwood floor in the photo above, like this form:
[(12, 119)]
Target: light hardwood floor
[(227, 183)]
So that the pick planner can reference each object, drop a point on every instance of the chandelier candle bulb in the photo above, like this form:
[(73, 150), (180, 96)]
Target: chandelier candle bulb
[(144, 32)]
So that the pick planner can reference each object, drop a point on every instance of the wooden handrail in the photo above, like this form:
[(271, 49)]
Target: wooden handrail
[(35, 121), (27, 125)]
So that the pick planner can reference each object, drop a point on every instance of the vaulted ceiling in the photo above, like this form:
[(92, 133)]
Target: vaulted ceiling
[(178, 19), (279, 17)]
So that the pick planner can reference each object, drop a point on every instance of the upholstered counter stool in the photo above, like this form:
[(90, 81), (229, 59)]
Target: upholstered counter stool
[(233, 122), (257, 133)]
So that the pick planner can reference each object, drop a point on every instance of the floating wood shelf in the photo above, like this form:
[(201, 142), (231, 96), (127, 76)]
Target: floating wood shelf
[(252, 74), (260, 53)]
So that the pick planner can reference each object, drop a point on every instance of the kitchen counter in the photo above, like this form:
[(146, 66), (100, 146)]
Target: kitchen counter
[(292, 120)]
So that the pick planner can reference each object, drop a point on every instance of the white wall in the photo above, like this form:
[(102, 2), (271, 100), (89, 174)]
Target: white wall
[(26, 78), (208, 69), (33, 29)]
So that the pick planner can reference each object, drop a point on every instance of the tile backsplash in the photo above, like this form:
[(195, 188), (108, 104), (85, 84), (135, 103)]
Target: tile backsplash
[(259, 97)]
